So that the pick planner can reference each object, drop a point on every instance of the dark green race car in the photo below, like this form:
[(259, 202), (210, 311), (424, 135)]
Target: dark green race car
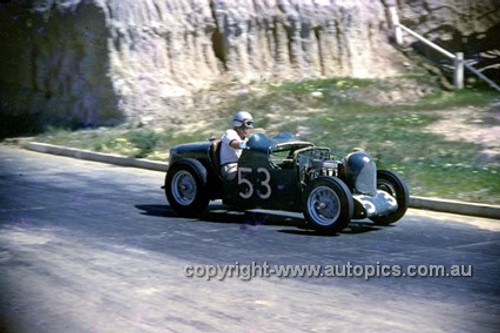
[(286, 174)]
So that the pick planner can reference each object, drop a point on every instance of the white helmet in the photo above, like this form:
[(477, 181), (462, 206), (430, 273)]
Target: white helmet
[(243, 119)]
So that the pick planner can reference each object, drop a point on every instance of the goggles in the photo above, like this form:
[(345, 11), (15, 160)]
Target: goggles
[(243, 124)]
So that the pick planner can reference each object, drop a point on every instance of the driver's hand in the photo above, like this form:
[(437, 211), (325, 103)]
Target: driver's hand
[(242, 145)]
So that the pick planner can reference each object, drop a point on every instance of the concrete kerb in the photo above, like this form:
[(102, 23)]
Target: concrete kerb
[(435, 204), (97, 157), (456, 207)]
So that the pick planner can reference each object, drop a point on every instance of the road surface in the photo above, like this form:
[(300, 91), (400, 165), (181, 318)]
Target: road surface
[(90, 247)]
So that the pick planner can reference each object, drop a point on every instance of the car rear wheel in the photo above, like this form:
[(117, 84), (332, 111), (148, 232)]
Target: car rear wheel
[(328, 204), (393, 184), (185, 190)]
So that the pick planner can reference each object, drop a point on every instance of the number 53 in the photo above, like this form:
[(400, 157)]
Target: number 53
[(264, 183)]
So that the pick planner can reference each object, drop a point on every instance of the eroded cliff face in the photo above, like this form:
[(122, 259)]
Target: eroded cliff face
[(53, 69), (162, 51), (95, 62), (471, 27)]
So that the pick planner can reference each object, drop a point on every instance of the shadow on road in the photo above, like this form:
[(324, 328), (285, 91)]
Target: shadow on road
[(306, 232), (221, 214), (354, 228), (360, 228), (156, 210)]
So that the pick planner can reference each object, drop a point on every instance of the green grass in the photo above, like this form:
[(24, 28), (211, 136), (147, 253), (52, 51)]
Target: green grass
[(328, 113), (466, 97)]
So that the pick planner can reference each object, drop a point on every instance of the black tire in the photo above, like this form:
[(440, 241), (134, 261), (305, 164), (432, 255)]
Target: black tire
[(328, 204), (393, 184), (185, 190)]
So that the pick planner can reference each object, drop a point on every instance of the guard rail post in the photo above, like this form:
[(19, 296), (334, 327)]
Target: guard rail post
[(458, 73), (398, 33)]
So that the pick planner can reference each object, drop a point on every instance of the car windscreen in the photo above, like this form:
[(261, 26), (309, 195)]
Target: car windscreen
[(281, 142)]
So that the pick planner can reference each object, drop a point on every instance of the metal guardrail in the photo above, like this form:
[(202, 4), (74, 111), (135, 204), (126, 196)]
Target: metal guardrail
[(458, 60), (482, 76)]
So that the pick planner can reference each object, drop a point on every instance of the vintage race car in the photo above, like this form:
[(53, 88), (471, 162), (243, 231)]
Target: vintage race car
[(286, 174)]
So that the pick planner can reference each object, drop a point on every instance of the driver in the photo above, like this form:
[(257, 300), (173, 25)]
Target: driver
[(233, 142)]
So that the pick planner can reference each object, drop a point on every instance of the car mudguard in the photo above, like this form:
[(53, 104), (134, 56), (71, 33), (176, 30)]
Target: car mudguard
[(200, 169)]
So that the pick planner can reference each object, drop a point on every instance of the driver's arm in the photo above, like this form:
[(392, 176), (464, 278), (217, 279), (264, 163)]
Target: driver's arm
[(235, 144), (238, 144)]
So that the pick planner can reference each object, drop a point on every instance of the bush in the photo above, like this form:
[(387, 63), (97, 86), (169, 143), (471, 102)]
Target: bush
[(145, 141)]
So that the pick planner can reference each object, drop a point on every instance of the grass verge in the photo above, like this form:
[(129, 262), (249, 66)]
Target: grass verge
[(341, 114)]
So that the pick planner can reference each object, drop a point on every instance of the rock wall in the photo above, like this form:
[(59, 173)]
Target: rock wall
[(471, 27), (53, 68), (162, 51), (94, 62)]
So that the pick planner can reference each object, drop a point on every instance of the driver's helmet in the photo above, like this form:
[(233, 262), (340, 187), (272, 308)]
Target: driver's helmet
[(243, 120)]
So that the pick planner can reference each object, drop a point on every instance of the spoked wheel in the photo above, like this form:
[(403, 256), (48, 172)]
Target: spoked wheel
[(393, 184), (328, 204), (185, 190)]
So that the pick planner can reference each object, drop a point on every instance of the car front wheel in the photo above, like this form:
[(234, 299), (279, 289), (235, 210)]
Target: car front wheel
[(328, 204), (393, 184), (185, 190)]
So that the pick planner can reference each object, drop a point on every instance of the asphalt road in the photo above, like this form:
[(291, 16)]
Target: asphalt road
[(89, 247)]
